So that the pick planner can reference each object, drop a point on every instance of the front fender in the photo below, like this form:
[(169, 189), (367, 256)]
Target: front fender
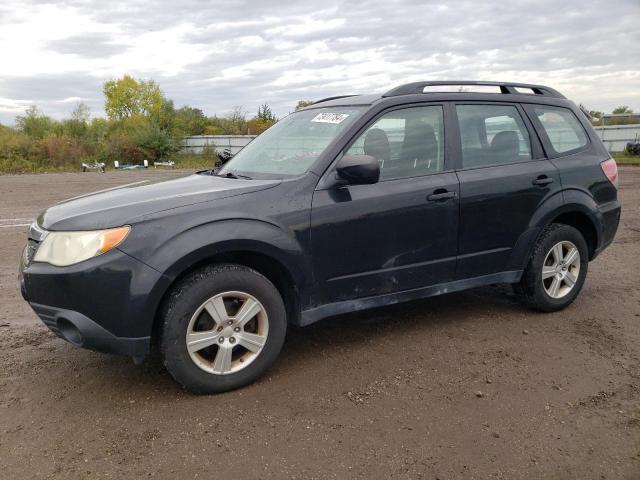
[(191, 247), (173, 253)]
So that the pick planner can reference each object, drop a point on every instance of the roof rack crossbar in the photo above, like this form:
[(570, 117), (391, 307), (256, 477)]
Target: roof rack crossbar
[(332, 98), (505, 87)]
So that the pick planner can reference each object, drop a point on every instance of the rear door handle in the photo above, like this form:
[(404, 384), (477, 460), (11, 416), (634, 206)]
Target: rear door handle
[(543, 180), (440, 195)]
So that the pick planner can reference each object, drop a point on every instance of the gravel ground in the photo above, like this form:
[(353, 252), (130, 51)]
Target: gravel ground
[(468, 385)]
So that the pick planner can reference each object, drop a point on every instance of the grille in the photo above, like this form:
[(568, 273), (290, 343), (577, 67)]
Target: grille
[(47, 316), (29, 252), (36, 235)]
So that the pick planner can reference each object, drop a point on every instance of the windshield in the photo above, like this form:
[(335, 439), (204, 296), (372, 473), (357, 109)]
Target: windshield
[(291, 146)]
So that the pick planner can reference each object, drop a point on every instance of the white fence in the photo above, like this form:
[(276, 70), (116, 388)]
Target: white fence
[(235, 143), (615, 138)]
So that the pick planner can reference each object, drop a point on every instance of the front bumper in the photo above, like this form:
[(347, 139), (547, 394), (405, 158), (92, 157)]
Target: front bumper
[(81, 331), (107, 303)]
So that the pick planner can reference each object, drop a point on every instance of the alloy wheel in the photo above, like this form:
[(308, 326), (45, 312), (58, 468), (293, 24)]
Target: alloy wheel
[(561, 269), (227, 332)]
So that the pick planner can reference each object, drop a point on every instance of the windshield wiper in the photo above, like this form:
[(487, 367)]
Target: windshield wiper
[(233, 175)]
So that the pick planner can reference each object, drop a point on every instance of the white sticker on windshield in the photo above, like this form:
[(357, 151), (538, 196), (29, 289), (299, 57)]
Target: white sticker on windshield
[(327, 117)]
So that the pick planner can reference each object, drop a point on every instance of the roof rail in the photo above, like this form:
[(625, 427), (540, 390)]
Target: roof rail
[(332, 98), (505, 87)]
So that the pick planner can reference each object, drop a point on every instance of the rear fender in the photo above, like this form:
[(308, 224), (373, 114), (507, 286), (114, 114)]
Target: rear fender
[(567, 201)]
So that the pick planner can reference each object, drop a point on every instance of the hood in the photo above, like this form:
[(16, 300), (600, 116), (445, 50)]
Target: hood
[(126, 204)]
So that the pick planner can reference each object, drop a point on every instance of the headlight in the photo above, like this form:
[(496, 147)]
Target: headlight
[(66, 248)]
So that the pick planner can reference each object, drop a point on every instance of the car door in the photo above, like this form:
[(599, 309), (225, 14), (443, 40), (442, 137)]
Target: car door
[(504, 178), (397, 234)]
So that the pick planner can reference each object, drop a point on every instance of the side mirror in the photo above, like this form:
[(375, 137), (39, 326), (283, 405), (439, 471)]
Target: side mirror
[(358, 169)]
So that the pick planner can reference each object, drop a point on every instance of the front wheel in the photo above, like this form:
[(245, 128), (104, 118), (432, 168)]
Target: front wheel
[(222, 327), (556, 271)]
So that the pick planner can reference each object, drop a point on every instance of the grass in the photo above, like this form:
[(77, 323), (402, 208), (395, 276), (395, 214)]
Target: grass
[(625, 159), (194, 161), (186, 161)]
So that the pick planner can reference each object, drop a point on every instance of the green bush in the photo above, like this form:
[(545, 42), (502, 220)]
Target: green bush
[(141, 124), (57, 151), (209, 155), (121, 147), (156, 144)]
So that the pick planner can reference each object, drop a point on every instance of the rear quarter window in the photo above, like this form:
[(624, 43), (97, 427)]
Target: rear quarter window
[(563, 129)]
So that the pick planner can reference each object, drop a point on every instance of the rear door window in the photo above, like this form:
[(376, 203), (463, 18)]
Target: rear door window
[(492, 135), (563, 129)]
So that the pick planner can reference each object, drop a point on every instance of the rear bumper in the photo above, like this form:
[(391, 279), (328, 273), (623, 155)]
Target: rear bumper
[(609, 225), (81, 331)]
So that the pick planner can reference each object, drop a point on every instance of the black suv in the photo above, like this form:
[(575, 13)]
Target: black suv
[(352, 203)]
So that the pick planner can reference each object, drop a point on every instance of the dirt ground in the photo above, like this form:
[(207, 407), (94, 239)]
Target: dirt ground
[(468, 385)]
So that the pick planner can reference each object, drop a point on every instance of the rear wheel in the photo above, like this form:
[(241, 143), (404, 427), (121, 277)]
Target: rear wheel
[(222, 327), (556, 271)]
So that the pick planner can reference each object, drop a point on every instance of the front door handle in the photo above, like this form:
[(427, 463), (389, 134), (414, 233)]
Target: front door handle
[(543, 180), (441, 195)]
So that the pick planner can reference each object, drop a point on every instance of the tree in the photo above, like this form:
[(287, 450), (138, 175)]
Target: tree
[(98, 131), (77, 125), (266, 115), (163, 115), (213, 129), (592, 113), (157, 143), (237, 120), (81, 112), (189, 121), (256, 125), (622, 119), (263, 120), (34, 123), (622, 109), (303, 103), (127, 97), (234, 123)]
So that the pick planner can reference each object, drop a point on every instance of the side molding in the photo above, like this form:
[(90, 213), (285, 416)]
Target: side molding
[(318, 313)]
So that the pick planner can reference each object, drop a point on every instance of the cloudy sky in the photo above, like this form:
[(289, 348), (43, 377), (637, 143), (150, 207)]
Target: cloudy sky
[(219, 54)]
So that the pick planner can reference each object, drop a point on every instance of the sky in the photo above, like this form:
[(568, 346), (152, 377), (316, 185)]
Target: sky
[(216, 55)]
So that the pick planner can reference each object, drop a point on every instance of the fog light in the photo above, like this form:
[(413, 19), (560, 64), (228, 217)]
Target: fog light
[(69, 331)]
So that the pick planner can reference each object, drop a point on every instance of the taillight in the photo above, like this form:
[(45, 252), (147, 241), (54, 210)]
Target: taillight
[(610, 169)]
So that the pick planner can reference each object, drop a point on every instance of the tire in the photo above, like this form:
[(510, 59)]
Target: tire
[(555, 291), (195, 309)]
